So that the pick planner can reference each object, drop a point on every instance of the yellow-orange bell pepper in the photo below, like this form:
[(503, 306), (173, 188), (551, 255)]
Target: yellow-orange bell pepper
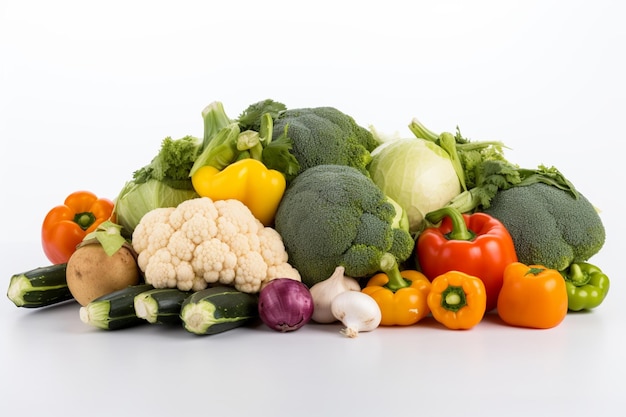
[(401, 295), (457, 300), (532, 296), (247, 180)]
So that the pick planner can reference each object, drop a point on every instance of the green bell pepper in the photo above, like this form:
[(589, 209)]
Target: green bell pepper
[(586, 284)]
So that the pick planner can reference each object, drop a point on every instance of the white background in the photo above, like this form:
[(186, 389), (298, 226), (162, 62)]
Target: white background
[(88, 91)]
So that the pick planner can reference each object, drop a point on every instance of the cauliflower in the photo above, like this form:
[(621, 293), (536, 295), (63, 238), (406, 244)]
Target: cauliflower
[(202, 242)]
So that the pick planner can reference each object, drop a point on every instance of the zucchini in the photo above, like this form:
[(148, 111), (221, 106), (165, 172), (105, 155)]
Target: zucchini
[(39, 287), (217, 309), (161, 305), (115, 310)]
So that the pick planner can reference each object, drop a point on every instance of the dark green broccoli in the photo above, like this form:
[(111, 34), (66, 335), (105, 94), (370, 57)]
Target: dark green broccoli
[(549, 226), (325, 135), (333, 215)]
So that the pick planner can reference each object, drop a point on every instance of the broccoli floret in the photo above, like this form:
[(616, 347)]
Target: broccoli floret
[(325, 135), (334, 215), (549, 226)]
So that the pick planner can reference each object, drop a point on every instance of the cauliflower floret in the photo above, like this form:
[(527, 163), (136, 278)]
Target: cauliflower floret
[(214, 261), (244, 243), (153, 229), (180, 246), (204, 207), (167, 271), (251, 272), (202, 242), (283, 270), (235, 217), (272, 247), (199, 228)]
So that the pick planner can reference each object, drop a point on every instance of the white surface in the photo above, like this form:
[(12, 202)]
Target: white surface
[(88, 92)]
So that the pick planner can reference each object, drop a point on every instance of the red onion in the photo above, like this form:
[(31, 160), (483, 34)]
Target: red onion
[(285, 304)]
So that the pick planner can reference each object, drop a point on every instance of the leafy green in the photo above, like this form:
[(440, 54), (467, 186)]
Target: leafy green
[(226, 141), (251, 118), (215, 119), (172, 164), (164, 182), (277, 155), (109, 236), (136, 199), (483, 170)]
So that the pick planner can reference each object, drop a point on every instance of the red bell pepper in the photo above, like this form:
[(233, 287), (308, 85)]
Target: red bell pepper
[(476, 244)]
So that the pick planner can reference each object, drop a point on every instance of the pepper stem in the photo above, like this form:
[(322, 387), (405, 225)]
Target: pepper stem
[(459, 228), (389, 265), (577, 276), (453, 298), (84, 219)]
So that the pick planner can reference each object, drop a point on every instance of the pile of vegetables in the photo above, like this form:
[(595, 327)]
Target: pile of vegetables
[(287, 217)]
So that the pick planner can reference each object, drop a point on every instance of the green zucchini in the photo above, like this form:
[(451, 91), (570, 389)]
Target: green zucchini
[(161, 305), (39, 287), (115, 310), (217, 309)]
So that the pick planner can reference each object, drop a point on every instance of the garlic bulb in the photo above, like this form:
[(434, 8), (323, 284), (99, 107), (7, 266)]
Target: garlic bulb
[(357, 311), (324, 291)]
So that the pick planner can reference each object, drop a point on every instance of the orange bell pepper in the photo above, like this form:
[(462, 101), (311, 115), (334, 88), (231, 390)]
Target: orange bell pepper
[(532, 296), (401, 295), (457, 300), (66, 225)]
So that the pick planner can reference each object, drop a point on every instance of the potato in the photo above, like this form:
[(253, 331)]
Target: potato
[(91, 273)]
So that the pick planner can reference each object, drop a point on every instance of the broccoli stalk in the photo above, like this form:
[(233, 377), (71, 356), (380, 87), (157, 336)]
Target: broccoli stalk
[(483, 170), (215, 119), (389, 266), (250, 136)]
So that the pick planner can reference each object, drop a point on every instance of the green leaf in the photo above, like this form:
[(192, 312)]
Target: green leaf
[(109, 235), (277, 155), (251, 117)]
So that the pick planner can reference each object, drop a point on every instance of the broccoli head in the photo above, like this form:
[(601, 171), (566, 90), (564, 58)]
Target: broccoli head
[(549, 226), (325, 135), (334, 215)]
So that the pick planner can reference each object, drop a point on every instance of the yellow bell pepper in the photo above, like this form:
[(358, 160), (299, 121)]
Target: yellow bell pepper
[(404, 306), (457, 300), (247, 180)]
